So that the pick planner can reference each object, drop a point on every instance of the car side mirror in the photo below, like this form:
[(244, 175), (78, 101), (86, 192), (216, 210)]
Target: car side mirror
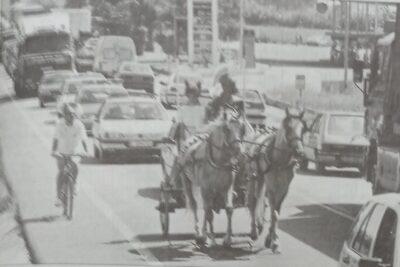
[(370, 262)]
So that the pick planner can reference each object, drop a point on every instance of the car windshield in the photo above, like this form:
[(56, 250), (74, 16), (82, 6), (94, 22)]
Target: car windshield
[(93, 96), (47, 43), (346, 125), (252, 96), (133, 111)]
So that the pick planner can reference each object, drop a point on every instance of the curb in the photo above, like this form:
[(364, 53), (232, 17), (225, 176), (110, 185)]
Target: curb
[(8, 204)]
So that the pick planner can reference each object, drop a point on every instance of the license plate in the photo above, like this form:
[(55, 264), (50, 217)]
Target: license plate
[(140, 144)]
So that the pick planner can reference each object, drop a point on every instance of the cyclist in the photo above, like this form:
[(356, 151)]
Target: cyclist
[(69, 134)]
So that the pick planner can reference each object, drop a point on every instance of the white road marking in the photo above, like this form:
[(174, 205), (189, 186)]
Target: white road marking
[(336, 211), (97, 201)]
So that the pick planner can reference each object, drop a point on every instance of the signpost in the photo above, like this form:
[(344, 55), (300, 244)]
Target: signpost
[(300, 85), (203, 31), (248, 48)]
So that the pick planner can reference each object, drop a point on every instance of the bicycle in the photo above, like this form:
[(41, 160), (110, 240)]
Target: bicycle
[(67, 187)]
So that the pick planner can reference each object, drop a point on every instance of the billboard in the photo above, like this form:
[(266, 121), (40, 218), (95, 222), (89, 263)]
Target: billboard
[(202, 31)]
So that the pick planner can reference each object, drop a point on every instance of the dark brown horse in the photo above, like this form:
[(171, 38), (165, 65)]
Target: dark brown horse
[(270, 172)]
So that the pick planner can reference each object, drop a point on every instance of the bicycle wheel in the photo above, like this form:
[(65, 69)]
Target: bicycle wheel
[(69, 199), (63, 196), (164, 211)]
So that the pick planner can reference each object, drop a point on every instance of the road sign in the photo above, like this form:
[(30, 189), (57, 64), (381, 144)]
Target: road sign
[(300, 83)]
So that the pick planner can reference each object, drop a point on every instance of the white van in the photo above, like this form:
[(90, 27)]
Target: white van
[(111, 51)]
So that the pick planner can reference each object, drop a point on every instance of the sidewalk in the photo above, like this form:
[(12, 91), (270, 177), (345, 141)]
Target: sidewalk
[(13, 248)]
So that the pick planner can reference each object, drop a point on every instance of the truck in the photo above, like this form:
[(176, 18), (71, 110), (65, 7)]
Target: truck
[(382, 112), (43, 42)]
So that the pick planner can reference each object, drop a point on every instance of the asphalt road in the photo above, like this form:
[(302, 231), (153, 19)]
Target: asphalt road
[(115, 220)]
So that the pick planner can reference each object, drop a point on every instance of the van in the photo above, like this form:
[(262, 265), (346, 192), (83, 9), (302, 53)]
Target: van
[(111, 52)]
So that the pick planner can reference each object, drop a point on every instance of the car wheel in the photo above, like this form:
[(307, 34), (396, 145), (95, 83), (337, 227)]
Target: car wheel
[(303, 164), (320, 168)]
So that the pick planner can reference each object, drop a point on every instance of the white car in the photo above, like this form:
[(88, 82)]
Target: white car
[(89, 99), (174, 88), (70, 87), (374, 239), (130, 126)]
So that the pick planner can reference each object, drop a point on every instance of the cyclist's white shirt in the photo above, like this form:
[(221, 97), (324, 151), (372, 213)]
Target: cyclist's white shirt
[(70, 137)]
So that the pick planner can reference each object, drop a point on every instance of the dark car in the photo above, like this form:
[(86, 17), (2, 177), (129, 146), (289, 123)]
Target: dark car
[(136, 76)]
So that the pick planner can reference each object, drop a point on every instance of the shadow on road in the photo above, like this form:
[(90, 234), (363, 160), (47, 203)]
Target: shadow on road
[(321, 228), (43, 219), (185, 250), (152, 193)]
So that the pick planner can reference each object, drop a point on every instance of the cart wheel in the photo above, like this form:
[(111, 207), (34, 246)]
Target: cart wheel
[(164, 212)]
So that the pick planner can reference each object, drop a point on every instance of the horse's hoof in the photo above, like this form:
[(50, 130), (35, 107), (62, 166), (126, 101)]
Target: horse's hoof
[(275, 248), (254, 235), (268, 241), (227, 242), (212, 243), (201, 241)]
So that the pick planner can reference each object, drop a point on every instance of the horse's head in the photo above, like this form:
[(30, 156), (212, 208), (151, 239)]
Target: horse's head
[(229, 133), (294, 128)]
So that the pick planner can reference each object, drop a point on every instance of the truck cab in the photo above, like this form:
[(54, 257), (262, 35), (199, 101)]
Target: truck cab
[(43, 43)]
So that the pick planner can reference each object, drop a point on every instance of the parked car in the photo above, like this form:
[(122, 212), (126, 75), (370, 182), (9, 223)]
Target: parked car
[(254, 108), (374, 237), (111, 51), (71, 86), (136, 76), (336, 139), (130, 126), (85, 55), (90, 97), (174, 89), (50, 85)]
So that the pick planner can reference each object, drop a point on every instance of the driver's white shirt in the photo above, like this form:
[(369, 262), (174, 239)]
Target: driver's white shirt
[(69, 137)]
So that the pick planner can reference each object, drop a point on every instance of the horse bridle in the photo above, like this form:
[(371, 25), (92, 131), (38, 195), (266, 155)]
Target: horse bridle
[(226, 146), (267, 157)]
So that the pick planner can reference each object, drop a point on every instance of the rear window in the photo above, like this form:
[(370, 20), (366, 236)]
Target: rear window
[(346, 125), (93, 96)]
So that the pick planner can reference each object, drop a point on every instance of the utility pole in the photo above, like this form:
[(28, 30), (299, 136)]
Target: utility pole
[(241, 45), (346, 43)]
